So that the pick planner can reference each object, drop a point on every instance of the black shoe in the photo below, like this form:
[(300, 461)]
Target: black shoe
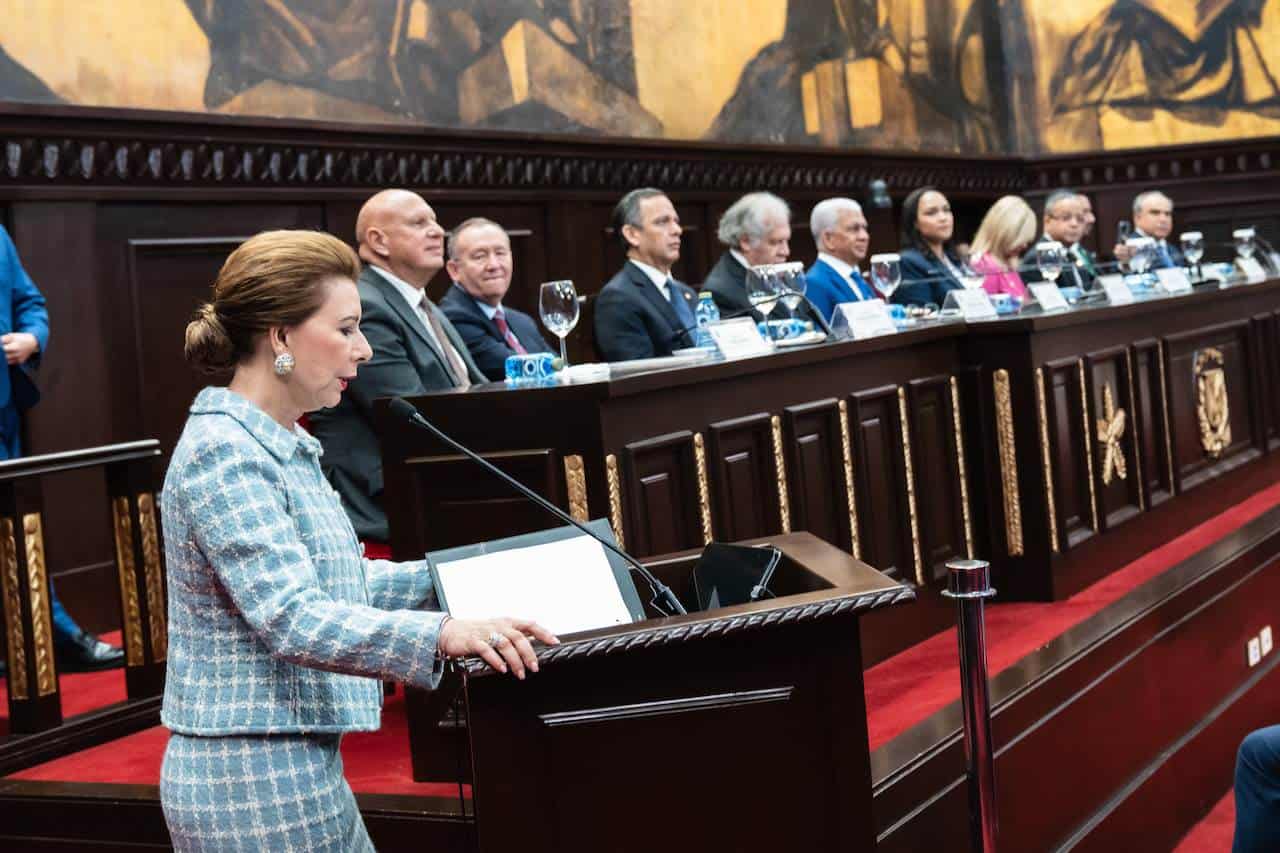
[(85, 653)]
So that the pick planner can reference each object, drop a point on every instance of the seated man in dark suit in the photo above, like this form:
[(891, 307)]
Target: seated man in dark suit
[(1064, 222), (756, 229), (1153, 217), (416, 350), (840, 230), (643, 312), (480, 265)]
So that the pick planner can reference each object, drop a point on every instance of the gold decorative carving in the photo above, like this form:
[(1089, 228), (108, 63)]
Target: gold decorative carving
[(1046, 462), (15, 637), (127, 574), (1168, 416), (780, 465), (1137, 443), (154, 576), (1008, 461), (850, 484), (1110, 438), (704, 488), (41, 620), (962, 470), (615, 497), (916, 555), (575, 479), (1088, 443), (1212, 408)]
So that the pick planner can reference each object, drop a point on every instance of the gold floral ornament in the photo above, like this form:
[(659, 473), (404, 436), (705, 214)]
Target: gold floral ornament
[(1212, 409), (1110, 432)]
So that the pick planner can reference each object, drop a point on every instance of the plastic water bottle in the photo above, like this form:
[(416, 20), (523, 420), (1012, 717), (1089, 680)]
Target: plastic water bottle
[(706, 314)]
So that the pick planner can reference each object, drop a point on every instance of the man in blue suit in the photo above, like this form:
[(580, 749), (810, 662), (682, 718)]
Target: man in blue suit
[(839, 229), (480, 265), (24, 334)]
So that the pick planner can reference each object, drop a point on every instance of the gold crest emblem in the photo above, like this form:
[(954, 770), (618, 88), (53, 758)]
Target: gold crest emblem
[(1110, 432), (1212, 409)]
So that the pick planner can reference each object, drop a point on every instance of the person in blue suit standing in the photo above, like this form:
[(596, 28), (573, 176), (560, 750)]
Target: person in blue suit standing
[(839, 229), (24, 335), (480, 265)]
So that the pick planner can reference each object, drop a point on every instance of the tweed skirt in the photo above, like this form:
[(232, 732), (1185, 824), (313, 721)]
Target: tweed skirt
[(259, 792)]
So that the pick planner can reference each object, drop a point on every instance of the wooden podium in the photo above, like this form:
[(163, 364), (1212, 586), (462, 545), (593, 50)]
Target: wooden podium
[(742, 728)]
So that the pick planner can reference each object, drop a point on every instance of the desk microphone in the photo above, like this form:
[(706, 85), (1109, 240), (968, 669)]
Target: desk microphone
[(663, 597)]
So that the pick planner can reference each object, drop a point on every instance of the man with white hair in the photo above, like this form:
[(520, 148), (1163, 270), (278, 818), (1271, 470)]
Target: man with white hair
[(839, 229), (1153, 217), (756, 229)]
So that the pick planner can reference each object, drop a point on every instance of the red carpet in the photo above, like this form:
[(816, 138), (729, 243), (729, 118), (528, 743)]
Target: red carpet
[(81, 692), (914, 685), (375, 762), (1213, 833), (901, 691)]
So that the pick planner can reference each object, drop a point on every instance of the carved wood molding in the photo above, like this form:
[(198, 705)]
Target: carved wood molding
[(1189, 162), (691, 631), (103, 147)]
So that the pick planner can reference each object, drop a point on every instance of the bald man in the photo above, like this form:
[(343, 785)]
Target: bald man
[(416, 350)]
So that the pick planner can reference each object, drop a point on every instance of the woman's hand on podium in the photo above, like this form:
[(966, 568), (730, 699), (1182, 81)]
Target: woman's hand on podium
[(501, 643)]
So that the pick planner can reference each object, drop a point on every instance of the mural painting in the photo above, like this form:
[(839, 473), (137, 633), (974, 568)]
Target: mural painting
[(1139, 72), (971, 76)]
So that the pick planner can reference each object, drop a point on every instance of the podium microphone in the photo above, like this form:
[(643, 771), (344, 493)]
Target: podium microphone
[(663, 598)]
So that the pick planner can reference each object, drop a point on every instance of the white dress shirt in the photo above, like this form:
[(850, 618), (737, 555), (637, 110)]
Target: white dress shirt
[(659, 278), (413, 297)]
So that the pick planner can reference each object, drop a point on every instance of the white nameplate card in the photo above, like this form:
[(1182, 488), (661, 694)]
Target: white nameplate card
[(1049, 297), (566, 585), (866, 319), (1252, 269), (739, 338), (1174, 280), (1118, 292), (973, 304)]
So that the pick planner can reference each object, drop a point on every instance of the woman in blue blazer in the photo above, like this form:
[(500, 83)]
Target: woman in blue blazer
[(280, 633), (930, 266)]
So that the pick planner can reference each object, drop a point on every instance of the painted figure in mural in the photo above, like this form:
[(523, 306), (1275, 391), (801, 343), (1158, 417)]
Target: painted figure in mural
[(1197, 59), (19, 84), (563, 65), (911, 71)]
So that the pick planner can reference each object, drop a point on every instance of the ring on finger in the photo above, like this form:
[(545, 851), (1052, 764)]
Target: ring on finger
[(496, 638)]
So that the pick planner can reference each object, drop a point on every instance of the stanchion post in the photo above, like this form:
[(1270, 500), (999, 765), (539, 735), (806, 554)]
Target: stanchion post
[(969, 584)]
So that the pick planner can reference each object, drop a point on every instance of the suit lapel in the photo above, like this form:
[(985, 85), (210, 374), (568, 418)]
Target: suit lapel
[(407, 315), (651, 293)]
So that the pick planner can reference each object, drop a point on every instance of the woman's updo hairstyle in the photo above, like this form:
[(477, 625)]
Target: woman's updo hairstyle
[(272, 279)]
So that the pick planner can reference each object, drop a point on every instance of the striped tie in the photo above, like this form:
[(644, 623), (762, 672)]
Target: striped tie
[(500, 320)]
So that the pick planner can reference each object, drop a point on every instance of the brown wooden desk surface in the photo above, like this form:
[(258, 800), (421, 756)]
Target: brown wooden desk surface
[(949, 439)]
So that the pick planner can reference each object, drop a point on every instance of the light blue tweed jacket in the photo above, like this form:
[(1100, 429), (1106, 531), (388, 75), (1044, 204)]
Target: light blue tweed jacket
[(276, 622)]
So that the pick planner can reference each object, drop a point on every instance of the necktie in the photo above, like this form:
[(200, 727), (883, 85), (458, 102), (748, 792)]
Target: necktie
[(860, 286), (1086, 260), (1166, 260), (500, 320), (457, 367), (683, 314)]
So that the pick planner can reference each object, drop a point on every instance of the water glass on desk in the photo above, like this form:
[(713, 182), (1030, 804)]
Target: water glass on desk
[(558, 308), (1192, 248), (886, 273), (1051, 257), (762, 290)]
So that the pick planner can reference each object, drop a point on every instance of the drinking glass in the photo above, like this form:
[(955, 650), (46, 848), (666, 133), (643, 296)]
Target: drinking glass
[(1192, 248), (971, 278), (1244, 242), (1051, 257), (761, 289), (558, 308), (792, 284), (886, 273), (1143, 248)]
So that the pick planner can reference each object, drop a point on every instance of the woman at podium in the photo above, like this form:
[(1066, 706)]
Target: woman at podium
[(280, 633)]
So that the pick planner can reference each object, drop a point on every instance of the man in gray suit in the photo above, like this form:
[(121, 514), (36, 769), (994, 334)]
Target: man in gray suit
[(416, 350)]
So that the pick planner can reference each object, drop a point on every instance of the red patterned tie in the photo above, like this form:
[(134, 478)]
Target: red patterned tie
[(500, 320)]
